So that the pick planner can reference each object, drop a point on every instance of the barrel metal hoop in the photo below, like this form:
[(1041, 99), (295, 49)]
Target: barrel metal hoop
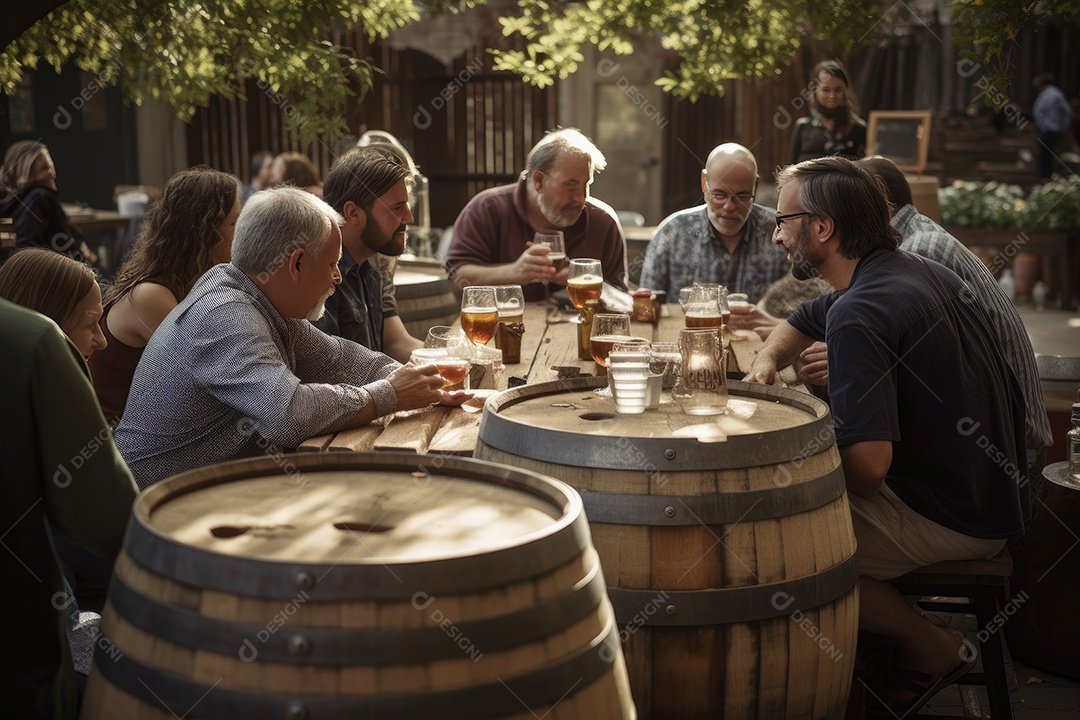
[(349, 646), (724, 606), (567, 537), (715, 508), (655, 454), (541, 688)]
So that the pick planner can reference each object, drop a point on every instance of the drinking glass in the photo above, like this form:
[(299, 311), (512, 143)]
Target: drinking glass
[(556, 245), (705, 306), (510, 303), (584, 281), (479, 313), (664, 359), (453, 367), (628, 375), (445, 336), (733, 300), (702, 385), (607, 329)]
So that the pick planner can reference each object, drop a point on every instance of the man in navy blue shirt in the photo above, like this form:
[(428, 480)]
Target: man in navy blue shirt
[(929, 417)]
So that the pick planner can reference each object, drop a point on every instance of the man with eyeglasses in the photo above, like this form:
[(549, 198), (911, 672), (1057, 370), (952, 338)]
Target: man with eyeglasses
[(929, 418), (727, 240)]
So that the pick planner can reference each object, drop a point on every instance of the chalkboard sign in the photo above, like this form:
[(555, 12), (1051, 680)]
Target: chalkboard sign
[(903, 136)]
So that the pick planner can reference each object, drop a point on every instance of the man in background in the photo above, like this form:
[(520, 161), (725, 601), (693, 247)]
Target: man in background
[(493, 237)]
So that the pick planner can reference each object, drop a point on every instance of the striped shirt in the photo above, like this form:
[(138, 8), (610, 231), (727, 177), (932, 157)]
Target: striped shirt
[(686, 248), (922, 236), (225, 376)]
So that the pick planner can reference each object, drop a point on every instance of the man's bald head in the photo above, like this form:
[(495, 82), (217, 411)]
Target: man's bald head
[(731, 154)]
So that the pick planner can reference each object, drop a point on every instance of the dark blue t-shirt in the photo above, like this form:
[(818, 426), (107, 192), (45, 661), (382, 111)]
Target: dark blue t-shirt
[(912, 360), (354, 311)]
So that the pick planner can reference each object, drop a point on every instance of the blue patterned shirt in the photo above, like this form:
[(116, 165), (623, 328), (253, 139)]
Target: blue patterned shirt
[(686, 248), (226, 377)]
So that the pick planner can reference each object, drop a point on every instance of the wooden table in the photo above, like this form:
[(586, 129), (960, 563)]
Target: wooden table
[(548, 352)]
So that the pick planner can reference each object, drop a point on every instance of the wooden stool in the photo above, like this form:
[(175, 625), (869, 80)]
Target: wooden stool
[(984, 586)]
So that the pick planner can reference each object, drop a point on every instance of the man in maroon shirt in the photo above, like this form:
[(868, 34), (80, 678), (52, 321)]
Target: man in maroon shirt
[(492, 242)]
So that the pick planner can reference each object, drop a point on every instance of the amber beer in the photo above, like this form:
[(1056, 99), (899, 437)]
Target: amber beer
[(511, 319), (559, 260), (453, 370), (479, 324), (704, 319), (601, 347), (584, 288)]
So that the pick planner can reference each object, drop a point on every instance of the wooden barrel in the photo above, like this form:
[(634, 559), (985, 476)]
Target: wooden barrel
[(730, 563), (1039, 618), (424, 296), (358, 585)]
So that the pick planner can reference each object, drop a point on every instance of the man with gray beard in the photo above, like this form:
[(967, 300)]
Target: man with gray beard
[(493, 236), (237, 370)]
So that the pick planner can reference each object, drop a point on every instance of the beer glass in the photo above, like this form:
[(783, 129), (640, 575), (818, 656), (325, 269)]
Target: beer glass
[(736, 300), (479, 313), (584, 281)]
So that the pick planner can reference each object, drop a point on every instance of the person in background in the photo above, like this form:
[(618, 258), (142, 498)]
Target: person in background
[(833, 127), (919, 388), (1053, 118), (186, 231), (727, 240), (51, 481), (370, 188), (63, 290), (493, 236), (31, 200), (237, 370), (259, 172), (296, 169)]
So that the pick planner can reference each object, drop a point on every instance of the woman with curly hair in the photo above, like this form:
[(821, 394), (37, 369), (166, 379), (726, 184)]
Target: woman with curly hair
[(185, 232), (834, 127), (59, 288)]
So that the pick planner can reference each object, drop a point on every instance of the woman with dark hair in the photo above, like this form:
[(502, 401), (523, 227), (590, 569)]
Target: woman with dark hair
[(834, 127), (59, 288), (296, 169), (31, 201), (186, 231)]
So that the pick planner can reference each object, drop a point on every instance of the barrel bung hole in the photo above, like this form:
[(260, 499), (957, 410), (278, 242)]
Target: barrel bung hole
[(596, 416), (228, 531), (354, 526)]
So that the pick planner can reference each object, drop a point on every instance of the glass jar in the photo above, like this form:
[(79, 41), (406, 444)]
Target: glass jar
[(701, 388)]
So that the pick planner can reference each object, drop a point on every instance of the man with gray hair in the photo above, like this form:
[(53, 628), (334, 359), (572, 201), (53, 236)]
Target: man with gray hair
[(236, 370), (728, 240), (493, 235)]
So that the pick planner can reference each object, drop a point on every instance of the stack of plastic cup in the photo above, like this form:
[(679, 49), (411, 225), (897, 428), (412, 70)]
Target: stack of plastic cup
[(630, 380)]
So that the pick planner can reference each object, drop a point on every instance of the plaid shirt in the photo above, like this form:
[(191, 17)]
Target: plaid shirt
[(686, 248), (922, 236), (226, 377)]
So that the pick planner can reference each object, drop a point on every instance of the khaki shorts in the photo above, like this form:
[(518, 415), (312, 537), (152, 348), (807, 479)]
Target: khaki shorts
[(894, 539)]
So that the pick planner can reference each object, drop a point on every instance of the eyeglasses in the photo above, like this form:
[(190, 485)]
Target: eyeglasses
[(721, 198), (781, 218)]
